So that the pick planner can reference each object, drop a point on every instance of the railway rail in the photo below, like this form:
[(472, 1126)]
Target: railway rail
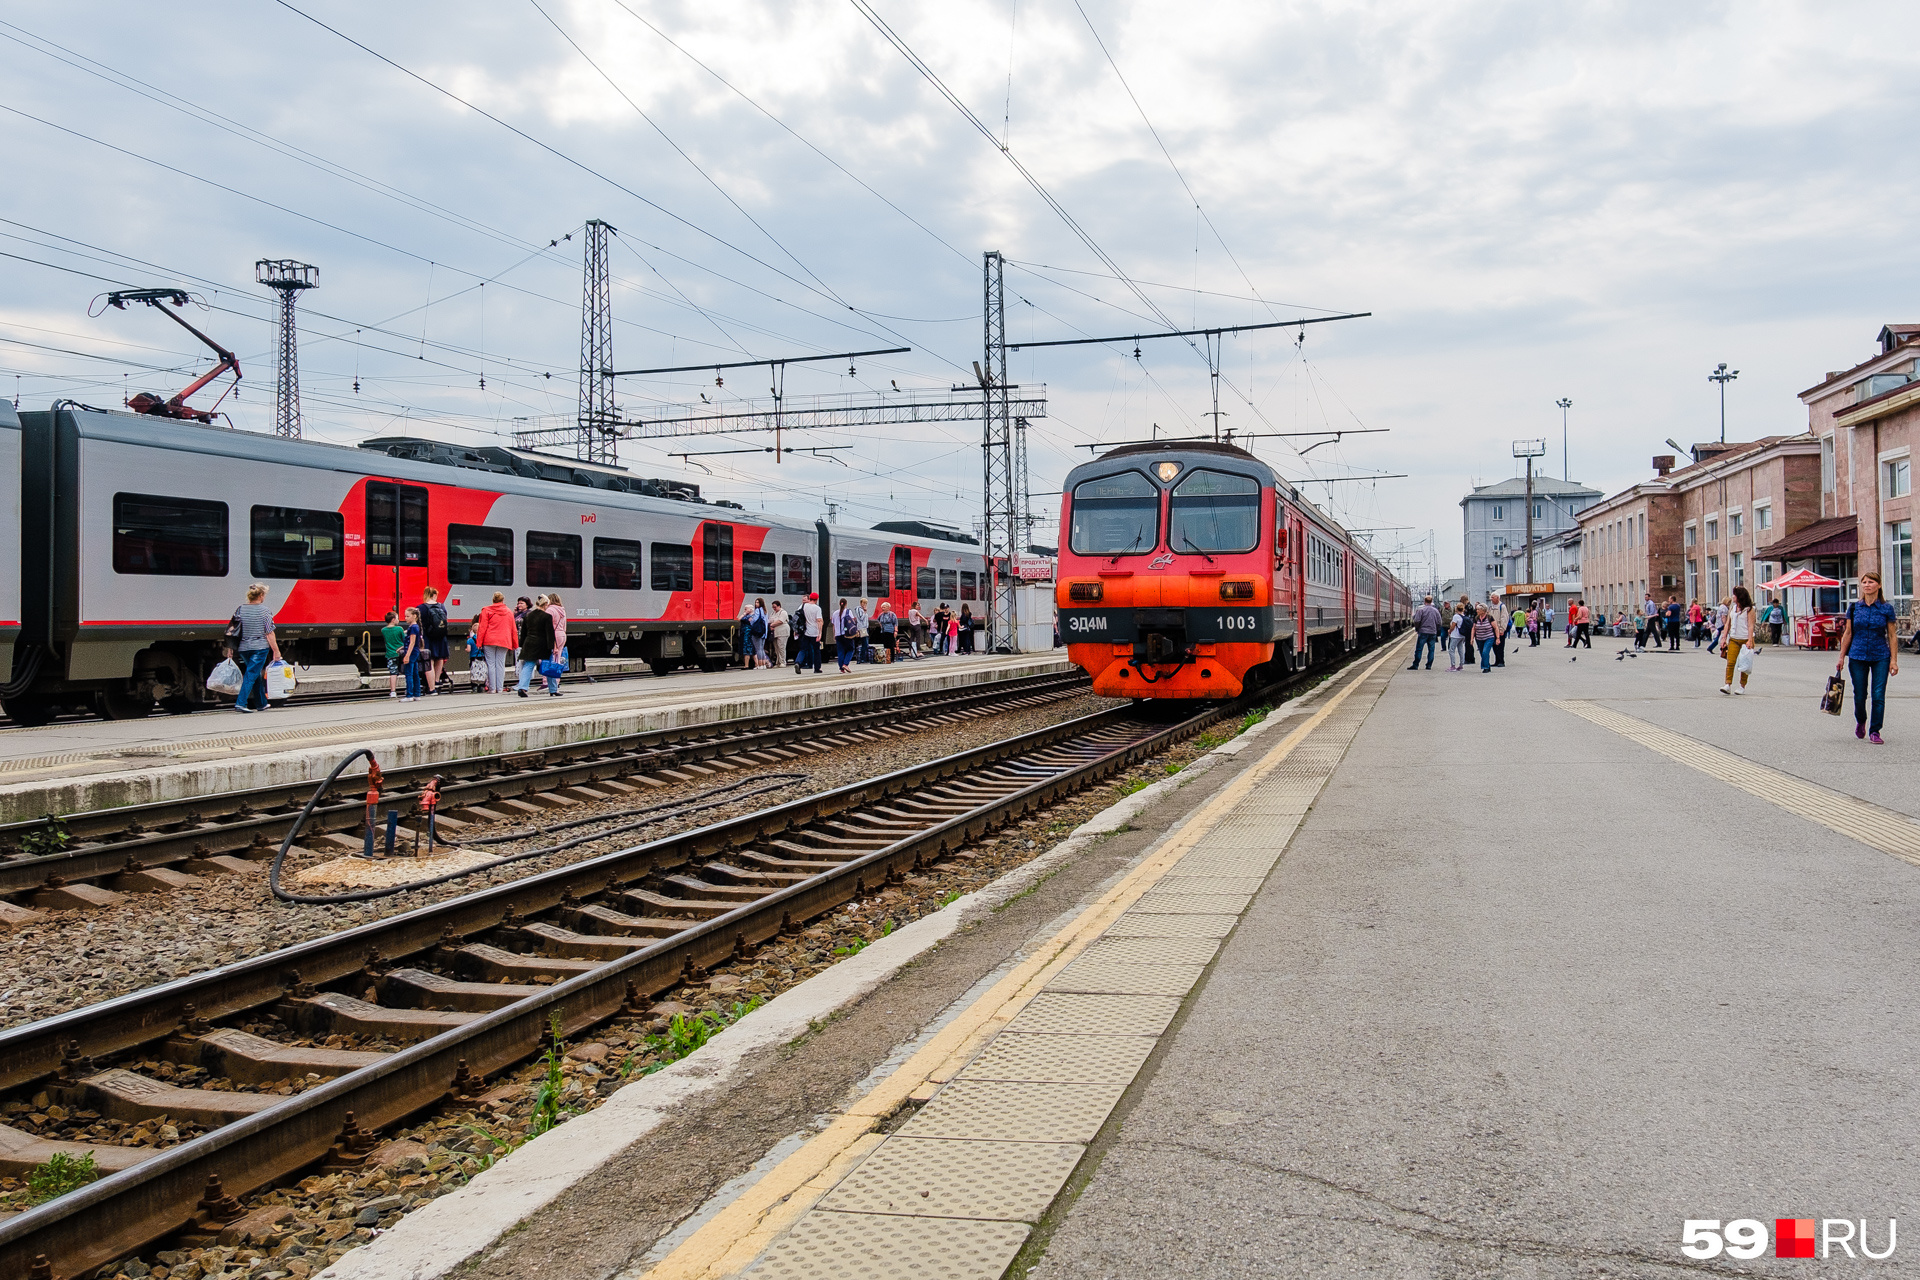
[(190, 836), (460, 981)]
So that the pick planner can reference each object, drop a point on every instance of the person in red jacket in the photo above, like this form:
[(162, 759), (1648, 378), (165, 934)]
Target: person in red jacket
[(498, 636)]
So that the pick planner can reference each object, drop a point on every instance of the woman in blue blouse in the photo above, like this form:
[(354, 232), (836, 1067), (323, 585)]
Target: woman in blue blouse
[(1870, 650)]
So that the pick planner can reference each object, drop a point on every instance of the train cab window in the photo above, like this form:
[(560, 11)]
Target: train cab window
[(397, 525), (480, 555), (969, 590), (288, 542), (716, 552), (553, 559), (1115, 515), (949, 584), (876, 579), (902, 569), (172, 537), (617, 564), (846, 577), (756, 572), (924, 581), (1214, 511), (796, 575), (671, 566)]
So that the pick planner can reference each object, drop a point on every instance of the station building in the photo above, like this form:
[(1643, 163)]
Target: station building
[(1494, 520)]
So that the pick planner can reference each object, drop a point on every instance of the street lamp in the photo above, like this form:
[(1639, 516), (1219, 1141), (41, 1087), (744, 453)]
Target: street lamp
[(1723, 376), (1565, 404)]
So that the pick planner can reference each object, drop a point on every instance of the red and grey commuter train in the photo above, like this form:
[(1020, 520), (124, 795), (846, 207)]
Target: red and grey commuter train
[(1190, 570), (139, 534)]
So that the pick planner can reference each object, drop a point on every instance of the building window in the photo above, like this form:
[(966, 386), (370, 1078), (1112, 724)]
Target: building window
[(1762, 572), (1713, 528), (1826, 464), (1499, 545), (1539, 511), (1900, 558), (1763, 516), (1736, 566), (1499, 573), (1735, 522), (1693, 580), (1499, 512), (1897, 475), (1713, 579), (1692, 534)]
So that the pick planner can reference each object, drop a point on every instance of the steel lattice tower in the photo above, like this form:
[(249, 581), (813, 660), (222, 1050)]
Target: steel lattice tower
[(288, 278), (997, 462), (599, 424), (1022, 499)]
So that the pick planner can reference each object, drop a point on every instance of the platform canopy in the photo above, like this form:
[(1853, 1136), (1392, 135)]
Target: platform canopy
[(1799, 578)]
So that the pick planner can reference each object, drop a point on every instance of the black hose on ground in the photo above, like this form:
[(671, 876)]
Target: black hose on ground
[(713, 798)]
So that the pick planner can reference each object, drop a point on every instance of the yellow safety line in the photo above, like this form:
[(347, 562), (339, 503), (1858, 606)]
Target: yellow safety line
[(1876, 827), (742, 1231)]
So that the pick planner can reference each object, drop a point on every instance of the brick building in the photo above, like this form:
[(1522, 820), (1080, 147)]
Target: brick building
[(1630, 544)]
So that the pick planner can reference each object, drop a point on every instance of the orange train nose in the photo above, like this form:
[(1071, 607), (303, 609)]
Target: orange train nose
[(1114, 676)]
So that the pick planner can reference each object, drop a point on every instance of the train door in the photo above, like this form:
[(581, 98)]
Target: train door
[(718, 596), (1349, 596), (1298, 551), (396, 546), (902, 594)]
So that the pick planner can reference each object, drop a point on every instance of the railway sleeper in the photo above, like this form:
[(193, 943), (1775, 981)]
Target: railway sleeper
[(734, 894), (126, 1095), (245, 1058), (418, 989), (764, 876), (800, 868), (582, 918), (480, 962), (552, 940), (698, 908), (21, 1153), (331, 1013)]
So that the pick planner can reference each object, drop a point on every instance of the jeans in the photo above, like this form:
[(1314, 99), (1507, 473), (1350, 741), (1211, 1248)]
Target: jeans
[(1486, 654), (809, 655), (1673, 637), (844, 650), (1869, 677), (253, 679), (528, 670), (1456, 654), (1425, 642), (415, 685)]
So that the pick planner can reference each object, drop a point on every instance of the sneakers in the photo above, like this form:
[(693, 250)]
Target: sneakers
[(1860, 730), (245, 711), (1875, 739), (1741, 689), (393, 693), (1726, 688), (521, 692)]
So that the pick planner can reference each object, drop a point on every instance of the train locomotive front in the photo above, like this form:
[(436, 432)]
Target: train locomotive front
[(1168, 584)]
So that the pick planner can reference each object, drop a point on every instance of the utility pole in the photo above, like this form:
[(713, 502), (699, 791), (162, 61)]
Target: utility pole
[(598, 423), (996, 462), (1566, 467), (1529, 449), (1022, 500), (288, 278), (1723, 376)]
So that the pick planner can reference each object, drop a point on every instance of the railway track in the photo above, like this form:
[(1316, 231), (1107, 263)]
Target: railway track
[(146, 847), (470, 986)]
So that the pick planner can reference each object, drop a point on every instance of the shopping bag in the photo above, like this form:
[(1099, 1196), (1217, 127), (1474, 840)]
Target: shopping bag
[(225, 678), (280, 679), (1744, 663), (1835, 695), (554, 666)]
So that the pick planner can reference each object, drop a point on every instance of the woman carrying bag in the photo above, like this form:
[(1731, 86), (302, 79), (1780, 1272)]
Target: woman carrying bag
[(1737, 640), (536, 647), (1870, 650)]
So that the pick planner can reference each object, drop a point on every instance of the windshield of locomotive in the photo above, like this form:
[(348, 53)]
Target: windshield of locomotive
[(1214, 511), (1115, 515)]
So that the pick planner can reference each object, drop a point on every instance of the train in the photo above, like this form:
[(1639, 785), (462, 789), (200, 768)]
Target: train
[(1190, 569), (138, 535)]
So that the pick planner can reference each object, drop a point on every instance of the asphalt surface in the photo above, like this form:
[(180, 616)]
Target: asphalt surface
[(1522, 997)]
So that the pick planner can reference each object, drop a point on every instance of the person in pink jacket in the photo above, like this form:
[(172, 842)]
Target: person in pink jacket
[(498, 636), (559, 613)]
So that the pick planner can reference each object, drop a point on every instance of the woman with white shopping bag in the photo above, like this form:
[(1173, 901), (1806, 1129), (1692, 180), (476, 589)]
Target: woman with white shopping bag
[(254, 646), (1739, 640)]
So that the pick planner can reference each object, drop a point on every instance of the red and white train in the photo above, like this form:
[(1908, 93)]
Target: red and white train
[(1190, 570), (138, 535)]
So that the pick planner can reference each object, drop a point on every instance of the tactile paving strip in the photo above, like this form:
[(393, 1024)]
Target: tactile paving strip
[(1068, 1059), (1111, 950), (1248, 831), (1127, 979), (1213, 862), (1015, 1111), (1877, 828), (941, 1178), (1131, 925), (1177, 881), (1189, 904), (879, 1246), (1066, 1014)]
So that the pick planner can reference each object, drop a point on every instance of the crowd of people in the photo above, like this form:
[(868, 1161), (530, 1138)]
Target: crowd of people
[(858, 632)]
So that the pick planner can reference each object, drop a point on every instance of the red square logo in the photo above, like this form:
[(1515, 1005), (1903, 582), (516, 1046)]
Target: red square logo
[(1793, 1237)]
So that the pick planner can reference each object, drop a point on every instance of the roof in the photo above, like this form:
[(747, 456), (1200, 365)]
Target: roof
[(1736, 456), (1839, 536), (1545, 486), (1904, 336)]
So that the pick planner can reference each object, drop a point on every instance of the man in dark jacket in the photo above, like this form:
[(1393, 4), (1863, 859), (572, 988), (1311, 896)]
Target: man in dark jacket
[(1426, 621), (536, 646)]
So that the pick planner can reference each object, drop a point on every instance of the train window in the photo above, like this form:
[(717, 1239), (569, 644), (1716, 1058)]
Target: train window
[(480, 555), (969, 590), (949, 584), (396, 525), (1214, 511), (173, 537), (902, 569), (553, 559), (288, 542), (846, 577), (671, 566), (617, 564), (924, 584), (756, 572), (796, 575), (1115, 515), (716, 552), (876, 579)]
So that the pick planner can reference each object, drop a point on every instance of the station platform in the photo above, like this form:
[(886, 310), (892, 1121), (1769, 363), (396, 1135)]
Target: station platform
[(1436, 973), (70, 766)]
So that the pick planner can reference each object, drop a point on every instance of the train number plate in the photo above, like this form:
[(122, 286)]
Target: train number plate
[(1226, 625)]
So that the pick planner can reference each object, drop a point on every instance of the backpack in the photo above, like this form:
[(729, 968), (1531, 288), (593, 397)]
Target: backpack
[(433, 621)]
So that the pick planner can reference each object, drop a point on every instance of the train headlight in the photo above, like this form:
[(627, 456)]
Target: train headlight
[(1236, 591), (1086, 591)]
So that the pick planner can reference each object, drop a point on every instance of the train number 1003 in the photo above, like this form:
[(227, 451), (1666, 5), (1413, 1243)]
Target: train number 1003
[(1236, 622)]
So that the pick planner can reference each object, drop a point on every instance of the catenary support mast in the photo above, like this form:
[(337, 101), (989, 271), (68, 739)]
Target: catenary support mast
[(997, 462), (599, 423), (287, 278)]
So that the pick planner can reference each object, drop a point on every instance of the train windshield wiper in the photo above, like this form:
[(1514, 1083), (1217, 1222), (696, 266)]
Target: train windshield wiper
[(1188, 539), (1138, 534)]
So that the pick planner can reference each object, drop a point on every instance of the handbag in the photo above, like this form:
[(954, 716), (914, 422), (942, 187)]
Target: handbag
[(554, 666), (1835, 695), (1744, 663)]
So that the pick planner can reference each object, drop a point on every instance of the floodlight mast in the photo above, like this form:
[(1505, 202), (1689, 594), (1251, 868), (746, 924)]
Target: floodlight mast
[(1723, 376), (1529, 449)]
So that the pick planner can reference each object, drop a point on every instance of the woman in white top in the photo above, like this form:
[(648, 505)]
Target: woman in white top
[(1739, 635), (1456, 643)]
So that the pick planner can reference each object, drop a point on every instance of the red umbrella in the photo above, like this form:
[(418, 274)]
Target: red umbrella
[(1799, 578)]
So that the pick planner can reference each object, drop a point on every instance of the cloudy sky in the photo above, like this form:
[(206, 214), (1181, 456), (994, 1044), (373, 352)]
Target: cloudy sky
[(1596, 201)]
